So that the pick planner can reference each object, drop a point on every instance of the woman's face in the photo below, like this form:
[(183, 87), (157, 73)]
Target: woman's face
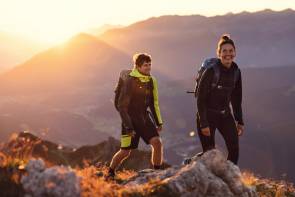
[(227, 54), (145, 68)]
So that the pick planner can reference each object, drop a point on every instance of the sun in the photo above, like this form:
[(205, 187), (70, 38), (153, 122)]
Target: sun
[(46, 21), (48, 35), (50, 29), (54, 21)]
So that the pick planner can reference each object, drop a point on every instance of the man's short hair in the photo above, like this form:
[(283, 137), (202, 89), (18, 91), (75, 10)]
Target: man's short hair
[(140, 58)]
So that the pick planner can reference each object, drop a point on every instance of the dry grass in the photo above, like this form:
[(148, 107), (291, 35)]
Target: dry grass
[(267, 187), (96, 186), (92, 185)]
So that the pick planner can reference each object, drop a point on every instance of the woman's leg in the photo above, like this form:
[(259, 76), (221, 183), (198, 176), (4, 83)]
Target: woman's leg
[(229, 133), (208, 142)]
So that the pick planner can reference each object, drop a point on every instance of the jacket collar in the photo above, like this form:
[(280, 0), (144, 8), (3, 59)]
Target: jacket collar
[(137, 74)]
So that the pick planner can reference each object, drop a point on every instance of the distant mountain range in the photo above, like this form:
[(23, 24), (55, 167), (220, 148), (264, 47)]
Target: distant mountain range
[(68, 89), (179, 43)]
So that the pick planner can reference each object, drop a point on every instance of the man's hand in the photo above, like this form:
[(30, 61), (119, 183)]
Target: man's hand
[(240, 129), (131, 133), (205, 131), (159, 128)]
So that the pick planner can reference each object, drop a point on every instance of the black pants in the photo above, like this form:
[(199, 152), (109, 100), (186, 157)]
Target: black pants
[(227, 127)]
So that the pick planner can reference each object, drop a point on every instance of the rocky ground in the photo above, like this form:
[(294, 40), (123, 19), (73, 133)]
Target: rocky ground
[(208, 175)]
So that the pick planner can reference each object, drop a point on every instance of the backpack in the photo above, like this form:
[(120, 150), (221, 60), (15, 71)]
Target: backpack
[(124, 76), (211, 63)]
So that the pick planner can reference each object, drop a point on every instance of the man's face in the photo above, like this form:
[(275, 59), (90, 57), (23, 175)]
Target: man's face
[(227, 54), (145, 68)]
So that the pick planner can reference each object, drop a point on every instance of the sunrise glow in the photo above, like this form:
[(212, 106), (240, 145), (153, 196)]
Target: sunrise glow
[(54, 21)]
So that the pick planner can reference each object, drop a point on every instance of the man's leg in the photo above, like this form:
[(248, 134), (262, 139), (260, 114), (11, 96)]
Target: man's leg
[(157, 152), (119, 157), (127, 144)]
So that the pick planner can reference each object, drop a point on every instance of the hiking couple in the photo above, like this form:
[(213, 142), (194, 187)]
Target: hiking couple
[(219, 84)]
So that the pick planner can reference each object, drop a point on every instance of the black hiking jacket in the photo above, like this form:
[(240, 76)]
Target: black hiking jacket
[(218, 99), (135, 100)]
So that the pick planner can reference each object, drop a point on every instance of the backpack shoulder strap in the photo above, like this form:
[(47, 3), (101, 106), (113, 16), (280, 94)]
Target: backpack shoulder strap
[(216, 76), (124, 75)]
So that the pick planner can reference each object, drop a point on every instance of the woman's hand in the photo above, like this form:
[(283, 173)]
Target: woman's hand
[(240, 129)]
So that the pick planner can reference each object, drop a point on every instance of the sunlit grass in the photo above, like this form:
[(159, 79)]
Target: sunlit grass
[(267, 187)]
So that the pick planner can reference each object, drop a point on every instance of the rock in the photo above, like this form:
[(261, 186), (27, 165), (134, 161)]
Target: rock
[(209, 175), (55, 181)]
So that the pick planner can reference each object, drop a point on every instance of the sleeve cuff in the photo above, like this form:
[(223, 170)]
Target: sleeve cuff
[(204, 125), (240, 122), (160, 125)]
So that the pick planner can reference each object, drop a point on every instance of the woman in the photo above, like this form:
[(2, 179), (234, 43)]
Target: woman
[(213, 102)]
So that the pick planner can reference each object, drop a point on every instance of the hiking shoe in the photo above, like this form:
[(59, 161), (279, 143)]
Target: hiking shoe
[(110, 176), (187, 161), (99, 173), (200, 154)]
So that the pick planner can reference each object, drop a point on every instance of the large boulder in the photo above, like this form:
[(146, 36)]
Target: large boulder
[(54, 181), (208, 175)]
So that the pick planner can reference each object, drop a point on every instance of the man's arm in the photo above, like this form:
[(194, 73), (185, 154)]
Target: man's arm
[(154, 107)]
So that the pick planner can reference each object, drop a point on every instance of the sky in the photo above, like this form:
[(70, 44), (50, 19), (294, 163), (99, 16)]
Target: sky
[(56, 20)]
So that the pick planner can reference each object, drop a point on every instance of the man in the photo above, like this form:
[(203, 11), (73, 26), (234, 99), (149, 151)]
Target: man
[(136, 92)]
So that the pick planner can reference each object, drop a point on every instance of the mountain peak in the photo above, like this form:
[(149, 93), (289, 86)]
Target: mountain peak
[(83, 38), (288, 10)]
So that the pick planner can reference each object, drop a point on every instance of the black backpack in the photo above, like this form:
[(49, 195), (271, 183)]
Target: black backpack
[(211, 63), (124, 75)]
